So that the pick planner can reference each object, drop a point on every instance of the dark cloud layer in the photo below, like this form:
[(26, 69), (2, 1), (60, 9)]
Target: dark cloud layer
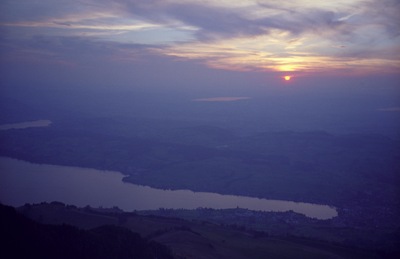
[(230, 21)]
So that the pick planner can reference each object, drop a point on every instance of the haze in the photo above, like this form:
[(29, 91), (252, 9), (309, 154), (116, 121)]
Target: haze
[(285, 100)]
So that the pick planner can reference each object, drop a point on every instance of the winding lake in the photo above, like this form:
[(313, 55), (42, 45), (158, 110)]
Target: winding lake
[(26, 124), (23, 182)]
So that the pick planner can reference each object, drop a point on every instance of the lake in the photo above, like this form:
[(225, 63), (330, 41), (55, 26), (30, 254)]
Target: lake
[(27, 124), (23, 182)]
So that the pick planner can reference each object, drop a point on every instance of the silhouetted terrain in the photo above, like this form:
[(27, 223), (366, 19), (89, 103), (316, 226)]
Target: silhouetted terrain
[(24, 238), (187, 239)]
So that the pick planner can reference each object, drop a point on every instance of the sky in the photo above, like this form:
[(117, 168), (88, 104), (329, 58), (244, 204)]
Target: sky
[(196, 44), (211, 59)]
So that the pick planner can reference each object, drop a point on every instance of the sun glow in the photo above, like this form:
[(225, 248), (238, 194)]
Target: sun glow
[(287, 78)]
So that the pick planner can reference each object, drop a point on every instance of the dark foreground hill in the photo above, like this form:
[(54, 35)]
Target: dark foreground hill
[(24, 238), (186, 239)]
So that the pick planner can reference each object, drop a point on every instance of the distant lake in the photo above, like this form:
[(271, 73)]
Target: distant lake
[(27, 124), (23, 182)]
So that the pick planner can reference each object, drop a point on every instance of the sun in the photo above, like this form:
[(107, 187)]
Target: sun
[(287, 78)]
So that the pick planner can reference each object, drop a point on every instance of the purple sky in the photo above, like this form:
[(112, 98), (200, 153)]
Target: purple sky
[(229, 47)]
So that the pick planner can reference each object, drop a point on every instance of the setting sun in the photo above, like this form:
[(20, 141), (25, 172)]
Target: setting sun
[(287, 78)]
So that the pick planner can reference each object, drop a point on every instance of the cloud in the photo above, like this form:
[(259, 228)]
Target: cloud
[(220, 99), (235, 35), (390, 109), (72, 52), (384, 14), (213, 20), (266, 33)]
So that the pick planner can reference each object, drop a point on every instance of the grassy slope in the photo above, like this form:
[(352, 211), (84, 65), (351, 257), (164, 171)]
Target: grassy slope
[(194, 239), (24, 238)]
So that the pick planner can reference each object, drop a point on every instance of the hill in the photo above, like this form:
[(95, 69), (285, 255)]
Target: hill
[(186, 239), (24, 238)]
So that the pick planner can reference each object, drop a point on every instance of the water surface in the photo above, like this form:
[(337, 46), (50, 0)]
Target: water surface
[(27, 124), (23, 182)]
